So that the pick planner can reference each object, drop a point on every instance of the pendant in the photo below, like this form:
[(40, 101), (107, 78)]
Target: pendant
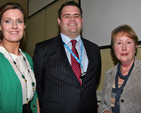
[(28, 71), (33, 84), (27, 100), (23, 76), (24, 59), (34, 106)]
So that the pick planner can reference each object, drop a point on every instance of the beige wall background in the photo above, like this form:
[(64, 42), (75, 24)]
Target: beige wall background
[(43, 25), (23, 3)]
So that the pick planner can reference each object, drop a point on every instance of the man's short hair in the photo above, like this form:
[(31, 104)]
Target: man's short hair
[(70, 3)]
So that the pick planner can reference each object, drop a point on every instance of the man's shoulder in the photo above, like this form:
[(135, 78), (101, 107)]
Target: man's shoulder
[(48, 42), (89, 43)]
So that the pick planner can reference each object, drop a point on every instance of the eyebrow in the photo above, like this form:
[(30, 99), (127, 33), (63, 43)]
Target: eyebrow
[(70, 14), (9, 18), (127, 40)]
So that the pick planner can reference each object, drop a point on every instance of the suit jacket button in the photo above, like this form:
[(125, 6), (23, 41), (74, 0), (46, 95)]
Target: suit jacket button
[(122, 100)]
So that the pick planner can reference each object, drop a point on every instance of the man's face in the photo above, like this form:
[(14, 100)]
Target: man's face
[(71, 21)]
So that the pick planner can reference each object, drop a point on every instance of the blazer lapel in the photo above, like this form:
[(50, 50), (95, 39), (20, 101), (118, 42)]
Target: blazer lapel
[(111, 80), (90, 61), (63, 58), (134, 77)]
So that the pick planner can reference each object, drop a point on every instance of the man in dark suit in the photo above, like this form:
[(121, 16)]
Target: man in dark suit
[(66, 83)]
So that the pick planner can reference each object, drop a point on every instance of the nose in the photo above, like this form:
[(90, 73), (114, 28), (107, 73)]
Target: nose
[(14, 25), (123, 46), (72, 18)]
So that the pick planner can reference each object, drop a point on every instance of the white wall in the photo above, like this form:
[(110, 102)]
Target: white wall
[(102, 16)]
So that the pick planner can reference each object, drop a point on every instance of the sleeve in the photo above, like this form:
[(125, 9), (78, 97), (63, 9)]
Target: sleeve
[(0, 104), (1, 78), (99, 68), (33, 105), (103, 104), (38, 61), (97, 60)]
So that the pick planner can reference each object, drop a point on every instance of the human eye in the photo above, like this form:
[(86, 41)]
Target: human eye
[(129, 42), (77, 16), (7, 21), (118, 43), (20, 21), (66, 16)]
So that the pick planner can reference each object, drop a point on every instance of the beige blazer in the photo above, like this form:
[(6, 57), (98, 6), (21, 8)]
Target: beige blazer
[(130, 100)]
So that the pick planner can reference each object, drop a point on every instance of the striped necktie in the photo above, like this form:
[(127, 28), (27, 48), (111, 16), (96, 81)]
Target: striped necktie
[(74, 64)]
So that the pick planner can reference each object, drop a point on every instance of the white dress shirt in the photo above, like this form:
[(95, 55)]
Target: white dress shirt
[(67, 40)]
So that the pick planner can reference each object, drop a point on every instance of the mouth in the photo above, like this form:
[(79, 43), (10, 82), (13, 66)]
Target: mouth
[(13, 32), (124, 54), (72, 24)]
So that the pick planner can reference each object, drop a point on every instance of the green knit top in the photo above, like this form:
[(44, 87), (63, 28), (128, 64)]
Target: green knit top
[(11, 100)]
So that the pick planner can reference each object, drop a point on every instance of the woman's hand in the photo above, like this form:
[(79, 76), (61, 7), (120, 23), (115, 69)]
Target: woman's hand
[(38, 106), (106, 111)]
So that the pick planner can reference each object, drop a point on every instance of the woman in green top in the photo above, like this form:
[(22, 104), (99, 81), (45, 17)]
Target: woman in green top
[(17, 81)]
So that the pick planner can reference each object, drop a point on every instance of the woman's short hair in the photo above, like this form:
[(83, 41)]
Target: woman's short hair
[(124, 30)]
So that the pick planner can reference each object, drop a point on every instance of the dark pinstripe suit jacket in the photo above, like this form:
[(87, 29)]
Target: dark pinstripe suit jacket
[(58, 88)]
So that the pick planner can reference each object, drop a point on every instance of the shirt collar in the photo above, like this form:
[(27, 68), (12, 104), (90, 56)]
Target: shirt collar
[(67, 40)]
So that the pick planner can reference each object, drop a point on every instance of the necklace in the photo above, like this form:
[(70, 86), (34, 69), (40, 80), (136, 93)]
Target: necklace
[(23, 77)]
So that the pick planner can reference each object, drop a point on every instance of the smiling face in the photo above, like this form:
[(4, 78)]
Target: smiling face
[(124, 48), (71, 21), (12, 25)]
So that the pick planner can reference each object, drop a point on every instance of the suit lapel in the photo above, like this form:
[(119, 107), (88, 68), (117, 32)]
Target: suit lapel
[(110, 80), (132, 81), (134, 77), (64, 60), (90, 63)]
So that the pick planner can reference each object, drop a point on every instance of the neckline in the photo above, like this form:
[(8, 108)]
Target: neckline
[(22, 76), (6, 54)]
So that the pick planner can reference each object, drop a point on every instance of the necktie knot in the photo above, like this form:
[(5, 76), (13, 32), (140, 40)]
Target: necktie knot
[(73, 42)]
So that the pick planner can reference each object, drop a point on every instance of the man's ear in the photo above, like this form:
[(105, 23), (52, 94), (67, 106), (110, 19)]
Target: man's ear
[(58, 21), (82, 19)]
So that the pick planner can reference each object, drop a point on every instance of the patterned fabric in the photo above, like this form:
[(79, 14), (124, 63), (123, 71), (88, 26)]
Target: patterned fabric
[(74, 64), (130, 101), (117, 91), (10, 88), (58, 88), (113, 96)]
